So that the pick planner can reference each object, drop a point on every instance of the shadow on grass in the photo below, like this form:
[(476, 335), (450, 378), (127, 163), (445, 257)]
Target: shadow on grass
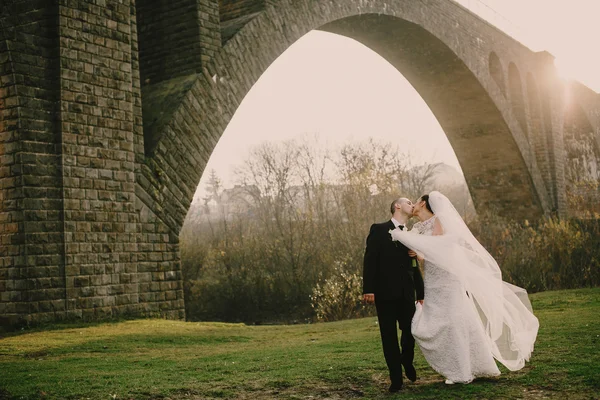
[(61, 326), (136, 342)]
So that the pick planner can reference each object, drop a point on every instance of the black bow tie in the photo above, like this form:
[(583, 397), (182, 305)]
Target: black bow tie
[(401, 227)]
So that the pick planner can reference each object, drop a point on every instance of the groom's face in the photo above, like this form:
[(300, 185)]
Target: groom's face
[(406, 206)]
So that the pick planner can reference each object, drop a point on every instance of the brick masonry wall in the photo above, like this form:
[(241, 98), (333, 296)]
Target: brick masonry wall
[(10, 214), (546, 146), (176, 37), (589, 101), (160, 289), (76, 242), (117, 260), (31, 227), (97, 119), (234, 14), (232, 9), (540, 125), (582, 150)]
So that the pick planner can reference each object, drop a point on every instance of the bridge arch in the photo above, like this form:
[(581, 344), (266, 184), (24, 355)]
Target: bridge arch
[(446, 64), (516, 96), (497, 72)]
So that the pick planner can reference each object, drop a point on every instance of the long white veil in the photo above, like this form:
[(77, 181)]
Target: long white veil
[(504, 309)]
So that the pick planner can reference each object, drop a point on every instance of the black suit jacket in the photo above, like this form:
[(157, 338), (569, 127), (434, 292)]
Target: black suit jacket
[(387, 268)]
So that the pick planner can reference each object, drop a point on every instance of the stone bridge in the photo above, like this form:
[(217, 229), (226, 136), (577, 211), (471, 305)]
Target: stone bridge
[(110, 109)]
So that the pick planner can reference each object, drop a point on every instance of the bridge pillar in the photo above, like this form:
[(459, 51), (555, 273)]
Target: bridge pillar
[(32, 259), (74, 244), (553, 109)]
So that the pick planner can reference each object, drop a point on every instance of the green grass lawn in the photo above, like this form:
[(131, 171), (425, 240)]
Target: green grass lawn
[(145, 359)]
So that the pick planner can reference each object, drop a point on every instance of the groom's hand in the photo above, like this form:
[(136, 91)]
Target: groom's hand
[(369, 298), (414, 254)]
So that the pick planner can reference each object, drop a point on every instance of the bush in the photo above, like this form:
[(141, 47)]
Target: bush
[(339, 297), (240, 283), (550, 254)]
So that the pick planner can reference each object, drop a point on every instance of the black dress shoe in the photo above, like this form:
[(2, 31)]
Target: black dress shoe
[(394, 388), (411, 373)]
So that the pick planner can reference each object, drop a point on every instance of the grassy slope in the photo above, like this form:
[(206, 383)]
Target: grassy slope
[(172, 359)]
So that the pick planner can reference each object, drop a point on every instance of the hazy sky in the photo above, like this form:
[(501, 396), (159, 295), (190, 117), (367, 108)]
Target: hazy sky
[(317, 85), (569, 29)]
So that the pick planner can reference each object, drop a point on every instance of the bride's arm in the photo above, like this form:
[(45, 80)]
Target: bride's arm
[(438, 229)]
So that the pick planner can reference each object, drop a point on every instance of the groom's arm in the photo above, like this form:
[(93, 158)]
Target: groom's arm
[(370, 261), (419, 286)]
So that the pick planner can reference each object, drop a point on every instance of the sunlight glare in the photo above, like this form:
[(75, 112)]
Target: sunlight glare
[(565, 69)]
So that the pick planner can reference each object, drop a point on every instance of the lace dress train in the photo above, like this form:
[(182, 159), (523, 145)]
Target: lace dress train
[(447, 327)]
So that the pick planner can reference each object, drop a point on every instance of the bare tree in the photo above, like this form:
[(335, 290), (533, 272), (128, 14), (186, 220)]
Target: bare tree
[(302, 214)]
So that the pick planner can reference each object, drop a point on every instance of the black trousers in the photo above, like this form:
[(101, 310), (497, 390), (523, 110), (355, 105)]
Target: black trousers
[(389, 313)]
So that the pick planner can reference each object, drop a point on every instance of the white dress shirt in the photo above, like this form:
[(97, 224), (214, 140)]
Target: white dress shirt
[(396, 223)]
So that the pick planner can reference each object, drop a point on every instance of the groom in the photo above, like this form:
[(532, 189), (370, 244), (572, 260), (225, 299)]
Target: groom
[(390, 281)]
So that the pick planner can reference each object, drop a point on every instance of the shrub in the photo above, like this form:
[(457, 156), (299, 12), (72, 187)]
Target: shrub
[(339, 297), (550, 254)]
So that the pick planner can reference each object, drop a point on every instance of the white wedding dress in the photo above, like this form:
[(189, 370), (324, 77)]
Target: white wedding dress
[(447, 327), (470, 316)]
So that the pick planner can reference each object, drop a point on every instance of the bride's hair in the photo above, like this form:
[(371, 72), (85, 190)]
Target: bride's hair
[(425, 198)]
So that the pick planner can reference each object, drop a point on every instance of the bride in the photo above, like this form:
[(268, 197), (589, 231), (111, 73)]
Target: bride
[(469, 315)]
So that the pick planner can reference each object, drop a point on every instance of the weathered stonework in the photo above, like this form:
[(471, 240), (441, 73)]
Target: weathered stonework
[(74, 244), (105, 129), (176, 37), (32, 268), (582, 153)]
